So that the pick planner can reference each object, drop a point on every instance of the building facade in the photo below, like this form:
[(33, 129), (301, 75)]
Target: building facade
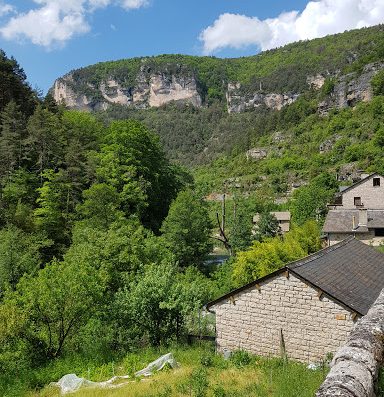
[(358, 212), (304, 310), (281, 309)]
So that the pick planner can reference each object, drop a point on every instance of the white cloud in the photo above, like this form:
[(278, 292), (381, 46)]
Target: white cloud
[(5, 8), (54, 22), (318, 19), (134, 4)]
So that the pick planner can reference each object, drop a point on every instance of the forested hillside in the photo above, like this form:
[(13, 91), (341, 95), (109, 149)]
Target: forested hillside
[(104, 235), (253, 88)]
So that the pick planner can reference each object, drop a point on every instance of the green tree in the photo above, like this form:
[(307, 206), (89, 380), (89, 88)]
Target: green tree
[(13, 85), (19, 255), (55, 212), (44, 143), (267, 226), (161, 302), (132, 161), (18, 199), (12, 134), (55, 304), (273, 253), (187, 229), (377, 83), (120, 251), (310, 202), (101, 205)]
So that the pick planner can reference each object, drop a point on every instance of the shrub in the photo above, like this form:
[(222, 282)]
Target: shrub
[(241, 358)]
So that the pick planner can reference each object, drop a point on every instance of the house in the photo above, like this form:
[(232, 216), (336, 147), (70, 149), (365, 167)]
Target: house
[(366, 193), (358, 211), (309, 306), (283, 217)]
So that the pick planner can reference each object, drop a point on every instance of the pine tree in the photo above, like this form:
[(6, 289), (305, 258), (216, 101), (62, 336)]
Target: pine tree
[(12, 134)]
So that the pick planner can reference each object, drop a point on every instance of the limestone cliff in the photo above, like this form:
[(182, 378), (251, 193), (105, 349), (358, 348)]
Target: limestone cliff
[(148, 90), (351, 89), (149, 86), (238, 100)]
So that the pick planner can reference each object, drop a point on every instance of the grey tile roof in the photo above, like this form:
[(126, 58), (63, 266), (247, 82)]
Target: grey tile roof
[(341, 221), (282, 215), (350, 272), (348, 188), (279, 215)]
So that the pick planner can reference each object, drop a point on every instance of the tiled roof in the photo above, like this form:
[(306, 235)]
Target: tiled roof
[(359, 182), (279, 215), (282, 215), (350, 272), (341, 221)]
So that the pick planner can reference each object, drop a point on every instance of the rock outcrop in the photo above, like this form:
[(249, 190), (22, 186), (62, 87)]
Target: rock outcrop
[(256, 153), (157, 87), (65, 94), (351, 89), (149, 90), (316, 82), (238, 101)]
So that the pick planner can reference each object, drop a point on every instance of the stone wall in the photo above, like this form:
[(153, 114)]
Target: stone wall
[(368, 238), (355, 366), (311, 325), (371, 196)]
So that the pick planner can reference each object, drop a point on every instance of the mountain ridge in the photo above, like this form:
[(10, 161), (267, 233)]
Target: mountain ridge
[(282, 73)]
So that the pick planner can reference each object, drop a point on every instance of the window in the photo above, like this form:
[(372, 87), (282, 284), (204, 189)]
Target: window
[(338, 200), (357, 201), (379, 232), (376, 181)]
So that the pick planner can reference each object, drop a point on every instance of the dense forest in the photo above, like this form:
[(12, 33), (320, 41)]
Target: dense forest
[(104, 236)]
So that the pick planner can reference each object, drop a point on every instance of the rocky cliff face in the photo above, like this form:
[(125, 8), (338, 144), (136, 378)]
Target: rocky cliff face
[(149, 90), (157, 88), (65, 94), (351, 89), (238, 101)]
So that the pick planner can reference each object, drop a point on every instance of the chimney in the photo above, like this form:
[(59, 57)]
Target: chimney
[(363, 217)]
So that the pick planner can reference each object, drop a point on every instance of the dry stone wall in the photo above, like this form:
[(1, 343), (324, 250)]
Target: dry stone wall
[(254, 319), (355, 366)]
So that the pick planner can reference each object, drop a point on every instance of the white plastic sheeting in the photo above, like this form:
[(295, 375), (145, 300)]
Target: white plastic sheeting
[(70, 383)]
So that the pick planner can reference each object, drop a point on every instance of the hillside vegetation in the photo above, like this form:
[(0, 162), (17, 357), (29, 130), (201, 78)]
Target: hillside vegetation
[(104, 239), (284, 69)]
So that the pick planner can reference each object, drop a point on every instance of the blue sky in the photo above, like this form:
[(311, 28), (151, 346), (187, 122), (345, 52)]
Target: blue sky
[(51, 37)]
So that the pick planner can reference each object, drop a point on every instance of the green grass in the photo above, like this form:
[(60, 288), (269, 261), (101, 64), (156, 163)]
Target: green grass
[(202, 373)]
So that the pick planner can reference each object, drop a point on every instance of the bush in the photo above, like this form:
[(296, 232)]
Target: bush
[(241, 358)]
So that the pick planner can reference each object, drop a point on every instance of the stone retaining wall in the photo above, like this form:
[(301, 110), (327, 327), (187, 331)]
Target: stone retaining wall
[(355, 366)]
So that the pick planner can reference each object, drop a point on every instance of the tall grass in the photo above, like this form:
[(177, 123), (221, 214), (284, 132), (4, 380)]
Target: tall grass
[(202, 373)]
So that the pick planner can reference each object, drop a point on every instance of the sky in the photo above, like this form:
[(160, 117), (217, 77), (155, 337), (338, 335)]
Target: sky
[(49, 38)]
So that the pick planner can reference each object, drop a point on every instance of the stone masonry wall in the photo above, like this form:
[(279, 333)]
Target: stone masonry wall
[(371, 196), (367, 238), (311, 326), (355, 366)]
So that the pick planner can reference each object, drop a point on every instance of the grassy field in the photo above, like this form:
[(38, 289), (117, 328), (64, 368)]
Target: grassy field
[(201, 374)]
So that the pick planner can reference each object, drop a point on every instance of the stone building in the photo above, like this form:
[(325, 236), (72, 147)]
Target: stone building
[(358, 211), (283, 217), (306, 308)]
